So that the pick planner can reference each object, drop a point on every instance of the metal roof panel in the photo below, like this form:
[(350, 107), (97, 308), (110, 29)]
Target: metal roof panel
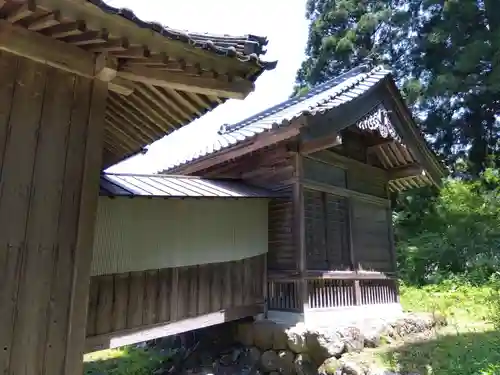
[(133, 185)]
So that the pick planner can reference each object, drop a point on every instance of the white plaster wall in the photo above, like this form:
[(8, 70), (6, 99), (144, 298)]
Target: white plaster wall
[(140, 234)]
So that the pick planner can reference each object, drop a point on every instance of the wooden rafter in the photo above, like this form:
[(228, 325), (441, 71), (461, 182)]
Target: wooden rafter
[(406, 171), (96, 19), (315, 145), (238, 89)]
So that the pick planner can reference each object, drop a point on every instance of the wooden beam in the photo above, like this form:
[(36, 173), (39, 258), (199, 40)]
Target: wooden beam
[(315, 145), (333, 158), (411, 170), (59, 55), (96, 19), (238, 89), (120, 86), (37, 47), (261, 141), (313, 185), (154, 331)]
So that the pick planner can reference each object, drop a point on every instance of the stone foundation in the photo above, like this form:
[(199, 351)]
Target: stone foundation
[(265, 347), (306, 350)]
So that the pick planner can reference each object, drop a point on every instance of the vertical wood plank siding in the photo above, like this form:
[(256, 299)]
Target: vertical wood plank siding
[(371, 237), (141, 299), (51, 128), (282, 254)]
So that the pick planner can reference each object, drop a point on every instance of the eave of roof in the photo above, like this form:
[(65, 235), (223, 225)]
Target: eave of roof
[(246, 48), (176, 186), (140, 110), (318, 100)]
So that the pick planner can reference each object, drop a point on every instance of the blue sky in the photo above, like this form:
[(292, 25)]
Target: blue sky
[(282, 21)]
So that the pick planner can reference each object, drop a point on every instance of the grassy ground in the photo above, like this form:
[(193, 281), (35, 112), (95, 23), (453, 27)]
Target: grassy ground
[(125, 361), (469, 345)]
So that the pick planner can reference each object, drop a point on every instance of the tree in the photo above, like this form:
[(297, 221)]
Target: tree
[(445, 55)]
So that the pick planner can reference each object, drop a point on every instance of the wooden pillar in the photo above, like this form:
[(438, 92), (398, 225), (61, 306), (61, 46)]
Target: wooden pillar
[(352, 250), (299, 230), (51, 130)]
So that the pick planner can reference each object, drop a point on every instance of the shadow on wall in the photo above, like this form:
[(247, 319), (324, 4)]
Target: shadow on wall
[(472, 353)]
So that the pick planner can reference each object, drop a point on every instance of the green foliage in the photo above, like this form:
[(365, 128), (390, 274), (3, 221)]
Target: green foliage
[(457, 300), (124, 361), (469, 345), (470, 353), (455, 233)]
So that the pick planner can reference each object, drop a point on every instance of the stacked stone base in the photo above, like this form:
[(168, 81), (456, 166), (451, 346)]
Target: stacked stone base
[(305, 350)]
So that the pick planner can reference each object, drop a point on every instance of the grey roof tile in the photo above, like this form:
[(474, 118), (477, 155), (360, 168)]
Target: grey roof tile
[(319, 99), (247, 48), (133, 185)]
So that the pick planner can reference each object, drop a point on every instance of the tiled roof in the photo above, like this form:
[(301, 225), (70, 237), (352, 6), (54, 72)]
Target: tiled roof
[(319, 99), (132, 185), (245, 48)]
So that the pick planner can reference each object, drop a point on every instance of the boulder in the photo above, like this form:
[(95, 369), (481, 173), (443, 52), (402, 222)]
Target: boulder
[(280, 338), (250, 357), (353, 339), (330, 367), (304, 365), (287, 362), (244, 333), (322, 345), (296, 338), (264, 333), (270, 361), (352, 368)]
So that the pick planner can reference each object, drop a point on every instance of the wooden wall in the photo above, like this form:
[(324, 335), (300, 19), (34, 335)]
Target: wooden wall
[(51, 130), (326, 231), (134, 300), (346, 207), (334, 215)]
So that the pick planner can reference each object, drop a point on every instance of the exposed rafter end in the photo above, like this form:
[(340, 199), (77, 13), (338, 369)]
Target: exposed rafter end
[(315, 145), (412, 170), (376, 147)]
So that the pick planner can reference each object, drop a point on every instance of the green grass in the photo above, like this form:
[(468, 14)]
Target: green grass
[(123, 361), (469, 345)]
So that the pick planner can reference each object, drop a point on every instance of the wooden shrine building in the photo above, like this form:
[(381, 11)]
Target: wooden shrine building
[(334, 155), (82, 86)]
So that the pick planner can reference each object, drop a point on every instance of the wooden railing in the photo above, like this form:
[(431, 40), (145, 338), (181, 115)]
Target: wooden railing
[(283, 295), (330, 293), (324, 290), (378, 291)]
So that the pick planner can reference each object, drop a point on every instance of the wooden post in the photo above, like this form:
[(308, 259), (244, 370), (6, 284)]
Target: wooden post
[(51, 130), (392, 246), (299, 229), (352, 251)]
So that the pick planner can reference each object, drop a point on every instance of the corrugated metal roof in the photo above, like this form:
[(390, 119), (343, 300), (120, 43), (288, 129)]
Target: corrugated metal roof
[(320, 99), (176, 186)]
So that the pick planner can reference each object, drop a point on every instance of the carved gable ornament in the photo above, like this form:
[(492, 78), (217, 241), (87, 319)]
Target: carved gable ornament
[(378, 121)]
